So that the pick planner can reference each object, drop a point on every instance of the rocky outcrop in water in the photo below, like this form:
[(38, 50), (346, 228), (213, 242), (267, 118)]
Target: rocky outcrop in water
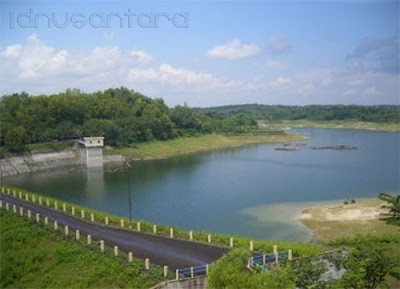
[(290, 146), (336, 147)]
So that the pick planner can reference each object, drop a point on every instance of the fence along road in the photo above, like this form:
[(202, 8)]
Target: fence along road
[(160, 250)]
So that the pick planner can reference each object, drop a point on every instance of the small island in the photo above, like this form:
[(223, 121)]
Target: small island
[(336, 147)]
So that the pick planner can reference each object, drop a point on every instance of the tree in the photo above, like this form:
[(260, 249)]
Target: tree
[(366, 267), (17, 139), (308, 273), (392, 215), (184, 117), (231, 272)]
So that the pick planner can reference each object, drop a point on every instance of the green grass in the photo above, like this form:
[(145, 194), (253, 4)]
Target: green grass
[(189, 145), (330, 230), (344, 124), (391, 243), (50, 146), (33, 256), (299, 248)]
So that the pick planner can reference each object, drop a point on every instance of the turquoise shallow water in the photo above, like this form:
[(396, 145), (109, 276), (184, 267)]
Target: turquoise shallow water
[(254, 191)]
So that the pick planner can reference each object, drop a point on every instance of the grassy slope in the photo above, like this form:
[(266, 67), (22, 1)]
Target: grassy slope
[(330, 230), (188, 145), (36, 257), (344, 124)]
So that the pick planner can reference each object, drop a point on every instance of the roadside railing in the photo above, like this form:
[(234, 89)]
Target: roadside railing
[(192, 272), (102, 218), (257, 260)]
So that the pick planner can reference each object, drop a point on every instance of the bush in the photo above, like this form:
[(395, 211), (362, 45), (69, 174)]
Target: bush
[(231, 272)]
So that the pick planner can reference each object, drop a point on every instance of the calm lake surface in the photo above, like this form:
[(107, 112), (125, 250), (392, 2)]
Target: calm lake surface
[(253, 191)]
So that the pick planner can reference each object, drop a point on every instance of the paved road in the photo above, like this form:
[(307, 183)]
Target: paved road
[(160, 250)]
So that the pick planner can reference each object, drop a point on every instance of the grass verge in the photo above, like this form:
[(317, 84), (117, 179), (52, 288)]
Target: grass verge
[(51, 146), (34, 256)]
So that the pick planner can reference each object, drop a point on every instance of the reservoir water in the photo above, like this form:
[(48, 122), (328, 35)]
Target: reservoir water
[(255, 191)]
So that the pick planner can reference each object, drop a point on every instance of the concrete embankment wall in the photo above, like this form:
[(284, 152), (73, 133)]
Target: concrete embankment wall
[(42, 161), (32, 162)]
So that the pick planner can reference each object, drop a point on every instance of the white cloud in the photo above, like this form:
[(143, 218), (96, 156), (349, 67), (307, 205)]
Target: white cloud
[(36, 60), (355, 82), (370, 91), (33, 38), (141, 56), (306, 88), (234, 49), (39, 68), (349, 92), (274, 64), (279, 82), (138, 74), (13, 50), (166, 74), (317, 76), (278, 45)]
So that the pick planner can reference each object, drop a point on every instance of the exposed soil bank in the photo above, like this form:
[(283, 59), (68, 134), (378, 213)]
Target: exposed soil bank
[(362, 211), (332, 221)]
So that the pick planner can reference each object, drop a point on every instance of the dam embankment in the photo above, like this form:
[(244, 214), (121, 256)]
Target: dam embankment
[(42, 161)]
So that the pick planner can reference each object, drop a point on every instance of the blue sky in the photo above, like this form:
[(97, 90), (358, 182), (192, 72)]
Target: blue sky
[(208, 53)]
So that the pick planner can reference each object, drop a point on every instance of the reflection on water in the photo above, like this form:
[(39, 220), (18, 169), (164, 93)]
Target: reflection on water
[(95, 188), (225, 191)]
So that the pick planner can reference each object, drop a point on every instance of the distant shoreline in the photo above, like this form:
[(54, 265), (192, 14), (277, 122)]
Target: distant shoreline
[(334, 124)]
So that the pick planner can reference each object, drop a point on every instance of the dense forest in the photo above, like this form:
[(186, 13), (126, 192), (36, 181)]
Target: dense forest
[(377, 113), (125, 117), (121, 115)]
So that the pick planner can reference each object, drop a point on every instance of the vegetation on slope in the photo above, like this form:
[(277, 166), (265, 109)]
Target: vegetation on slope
[(392, 213), (368, 264), (122, 116), (373, 243), (188, 145), (125, 117), (376, 113), (33, 256)]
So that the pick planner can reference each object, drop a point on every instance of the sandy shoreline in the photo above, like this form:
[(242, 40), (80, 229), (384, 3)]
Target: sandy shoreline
[(360, 211), (320, 220), (328, 222)]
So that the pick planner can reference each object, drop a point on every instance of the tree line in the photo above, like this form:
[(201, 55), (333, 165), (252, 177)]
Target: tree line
[(121, 115), (376, 113), (125, 117)]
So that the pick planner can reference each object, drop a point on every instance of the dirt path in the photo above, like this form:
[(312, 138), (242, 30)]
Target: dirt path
[(160, 250)]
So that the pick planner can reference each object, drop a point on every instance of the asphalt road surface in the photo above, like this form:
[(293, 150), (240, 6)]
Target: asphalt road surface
[(160, 250)]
